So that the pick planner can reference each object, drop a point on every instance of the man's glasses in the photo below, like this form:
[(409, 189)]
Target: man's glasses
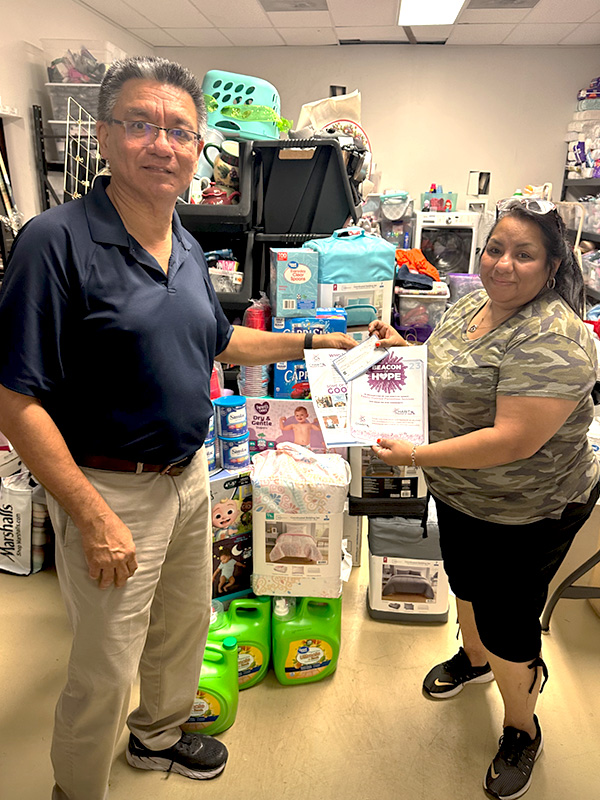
[(530, 203), (145, 134)]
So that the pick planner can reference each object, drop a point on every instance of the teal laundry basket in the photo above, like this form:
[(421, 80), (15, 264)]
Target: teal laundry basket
[(242, 106)]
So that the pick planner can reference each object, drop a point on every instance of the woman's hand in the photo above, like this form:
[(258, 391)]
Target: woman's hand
[(388, 336), (395, 452)]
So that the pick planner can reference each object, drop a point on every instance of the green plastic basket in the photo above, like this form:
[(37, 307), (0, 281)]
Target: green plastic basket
[(242, 106)]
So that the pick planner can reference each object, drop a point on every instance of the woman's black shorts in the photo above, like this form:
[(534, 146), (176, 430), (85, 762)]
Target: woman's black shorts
[(505, 571)]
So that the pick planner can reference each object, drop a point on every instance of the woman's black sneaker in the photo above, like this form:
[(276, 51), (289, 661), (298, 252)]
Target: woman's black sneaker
[(195, 755), (509, 774), (449, 678)]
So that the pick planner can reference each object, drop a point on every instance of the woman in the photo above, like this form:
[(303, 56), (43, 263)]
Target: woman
[(510, 375)]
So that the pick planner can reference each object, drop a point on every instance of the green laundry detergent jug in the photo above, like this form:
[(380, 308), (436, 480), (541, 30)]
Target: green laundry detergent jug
[(249, 620), (216, 700), (306, 638)]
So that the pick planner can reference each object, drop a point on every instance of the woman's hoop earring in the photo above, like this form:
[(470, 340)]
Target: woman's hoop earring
[(551, 283)]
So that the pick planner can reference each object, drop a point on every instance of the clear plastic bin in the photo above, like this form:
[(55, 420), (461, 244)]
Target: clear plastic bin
[(86, 95), (421, 308), (104, 52), (461, 283), (225, 281)]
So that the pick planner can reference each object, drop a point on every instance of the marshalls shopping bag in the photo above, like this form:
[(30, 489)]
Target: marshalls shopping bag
[(24, 525)]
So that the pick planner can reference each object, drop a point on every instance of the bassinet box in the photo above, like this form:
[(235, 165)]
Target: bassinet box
[(356, 272), (298, 522), (407, 582)]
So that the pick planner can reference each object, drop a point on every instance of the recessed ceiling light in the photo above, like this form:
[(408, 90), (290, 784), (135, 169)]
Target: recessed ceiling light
[(429, 12)]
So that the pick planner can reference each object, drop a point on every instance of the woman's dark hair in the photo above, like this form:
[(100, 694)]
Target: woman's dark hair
[(569, 280), (150, 68)]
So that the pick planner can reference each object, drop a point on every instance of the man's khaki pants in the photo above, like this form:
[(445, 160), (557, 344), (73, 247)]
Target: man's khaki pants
[(156, 623)]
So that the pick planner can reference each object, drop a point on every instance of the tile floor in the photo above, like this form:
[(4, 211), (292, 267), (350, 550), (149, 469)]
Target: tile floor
[(367, 732)]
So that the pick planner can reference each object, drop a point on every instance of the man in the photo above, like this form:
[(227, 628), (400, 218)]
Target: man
[(110, 326)]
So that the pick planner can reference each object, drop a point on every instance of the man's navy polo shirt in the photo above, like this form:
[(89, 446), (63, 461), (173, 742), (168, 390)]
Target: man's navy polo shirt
[(118, 353)]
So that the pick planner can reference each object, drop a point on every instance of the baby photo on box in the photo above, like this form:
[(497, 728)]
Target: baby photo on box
[(232, 566)]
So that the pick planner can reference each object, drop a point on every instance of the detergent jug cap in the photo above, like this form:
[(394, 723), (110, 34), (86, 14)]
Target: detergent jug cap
[(281, 606), (216, 614), (229, 643)]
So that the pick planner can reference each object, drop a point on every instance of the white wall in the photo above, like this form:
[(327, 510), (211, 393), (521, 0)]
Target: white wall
[(23, 74), (434, 113)]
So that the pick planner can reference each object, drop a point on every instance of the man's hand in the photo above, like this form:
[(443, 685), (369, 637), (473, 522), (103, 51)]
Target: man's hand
[(110, 553), (341, 341)]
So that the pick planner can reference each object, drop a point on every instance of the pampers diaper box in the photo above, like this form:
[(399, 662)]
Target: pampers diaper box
[(231, 514), (289, 377), (294, 276)]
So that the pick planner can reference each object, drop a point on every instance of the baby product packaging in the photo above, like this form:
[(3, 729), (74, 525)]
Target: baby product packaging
[(298, 522), (231, 504), (289, 377), (273, 421), (232, 566), (294, 276)]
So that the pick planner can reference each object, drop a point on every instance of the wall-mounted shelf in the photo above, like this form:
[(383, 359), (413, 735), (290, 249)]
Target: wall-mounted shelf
[(582, 182)]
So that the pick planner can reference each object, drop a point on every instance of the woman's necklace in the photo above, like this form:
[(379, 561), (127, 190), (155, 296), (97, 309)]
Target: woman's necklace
[(473, 328)]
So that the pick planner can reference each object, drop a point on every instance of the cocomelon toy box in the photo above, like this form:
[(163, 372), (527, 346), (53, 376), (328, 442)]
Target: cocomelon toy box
[(272, 421)]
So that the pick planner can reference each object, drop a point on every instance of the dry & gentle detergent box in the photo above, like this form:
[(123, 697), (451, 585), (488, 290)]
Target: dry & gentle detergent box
[(294, 282)]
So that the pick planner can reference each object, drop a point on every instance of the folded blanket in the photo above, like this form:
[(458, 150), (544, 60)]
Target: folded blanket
[(588, 114)]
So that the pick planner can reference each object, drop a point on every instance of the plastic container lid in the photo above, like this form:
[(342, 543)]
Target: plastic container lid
[(229, 439), (230, 643), (232, 400)]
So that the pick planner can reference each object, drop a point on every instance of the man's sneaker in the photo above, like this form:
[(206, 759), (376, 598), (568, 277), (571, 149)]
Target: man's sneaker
[(449, 678), (195, 755), (509, 774)]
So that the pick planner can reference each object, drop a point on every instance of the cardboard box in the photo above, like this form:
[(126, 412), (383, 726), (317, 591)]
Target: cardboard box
[(232, 567), (231, 504), (364, 302), (298, 555), (289, 377), (294, 274), (354, 528), (408, 587), (372, 478), (272, 421)]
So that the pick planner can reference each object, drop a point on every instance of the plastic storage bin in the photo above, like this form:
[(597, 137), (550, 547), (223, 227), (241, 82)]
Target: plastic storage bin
[(104, 52), (302, 187), (86, 95), (461, 283), (228, 89), (420, 308)]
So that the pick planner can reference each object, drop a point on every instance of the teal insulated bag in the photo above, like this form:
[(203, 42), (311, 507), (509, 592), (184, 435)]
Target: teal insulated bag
[(351, 255), (356, 272)]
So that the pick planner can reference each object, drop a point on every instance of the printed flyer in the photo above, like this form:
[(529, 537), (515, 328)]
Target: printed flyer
[(329, 392), (389, 401)]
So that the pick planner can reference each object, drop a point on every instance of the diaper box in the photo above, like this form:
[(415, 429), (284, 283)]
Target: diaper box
[(297, 555), (232, 566), (272, 421), (289, 377), (294, 276), (231, 504), (372, 478)]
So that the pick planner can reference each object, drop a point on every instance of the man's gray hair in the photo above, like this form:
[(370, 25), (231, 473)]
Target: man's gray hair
[(149, 68)]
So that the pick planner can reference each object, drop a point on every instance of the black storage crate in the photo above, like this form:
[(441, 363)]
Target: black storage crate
[(243, 248), (302, 187), (197, 218)]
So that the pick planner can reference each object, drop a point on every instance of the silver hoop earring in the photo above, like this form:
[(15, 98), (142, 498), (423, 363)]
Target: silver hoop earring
[(551, 283)]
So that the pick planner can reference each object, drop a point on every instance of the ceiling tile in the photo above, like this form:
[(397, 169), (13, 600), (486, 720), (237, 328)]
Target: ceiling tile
[(380, 33), (540, 33), (225, 13), (374, 13), (180, 13), (494, 15), (119, 12), (155, 36), (479, 34), (303, 19), (199, 37), (589, 33), (431, 33), (562, 11), (253, 37), (308, 36)]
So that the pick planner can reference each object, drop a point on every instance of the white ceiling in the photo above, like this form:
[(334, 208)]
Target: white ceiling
[(246, 23)]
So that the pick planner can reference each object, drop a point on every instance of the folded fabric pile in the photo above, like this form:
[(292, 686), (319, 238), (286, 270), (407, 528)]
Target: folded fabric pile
[(583, 134)]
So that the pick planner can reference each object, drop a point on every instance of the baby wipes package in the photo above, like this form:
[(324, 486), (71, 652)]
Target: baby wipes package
[(294, 276)]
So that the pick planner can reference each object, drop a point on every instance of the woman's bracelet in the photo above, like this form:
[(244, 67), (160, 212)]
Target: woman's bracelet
[(413, 456)]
